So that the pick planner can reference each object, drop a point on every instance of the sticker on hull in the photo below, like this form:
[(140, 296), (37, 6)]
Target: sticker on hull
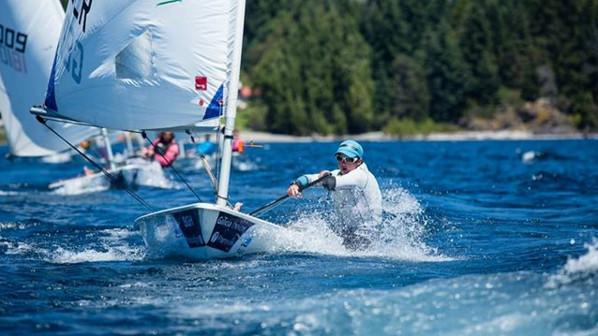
[(227, 231), (190, 226)]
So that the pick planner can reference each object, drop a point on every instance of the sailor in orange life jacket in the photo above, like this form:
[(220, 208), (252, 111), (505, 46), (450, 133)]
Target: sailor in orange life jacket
[(163, 149), (238, 143)]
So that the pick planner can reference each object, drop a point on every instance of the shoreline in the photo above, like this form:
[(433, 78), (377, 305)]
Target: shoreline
[(502, 135), (252, 136)]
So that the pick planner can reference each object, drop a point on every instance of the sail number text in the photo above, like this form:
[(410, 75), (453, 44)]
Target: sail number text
[(12, 39), (81, 13), (12, 48), (74, 62)]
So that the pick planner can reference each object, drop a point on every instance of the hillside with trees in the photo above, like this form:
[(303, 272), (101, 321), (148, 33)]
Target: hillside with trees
[(352, 66)]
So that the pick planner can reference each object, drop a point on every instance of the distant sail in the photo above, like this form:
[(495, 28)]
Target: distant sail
[(29, 31), (143, 64)]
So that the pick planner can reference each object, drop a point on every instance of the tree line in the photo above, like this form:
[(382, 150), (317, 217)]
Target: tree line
[(350, 66)]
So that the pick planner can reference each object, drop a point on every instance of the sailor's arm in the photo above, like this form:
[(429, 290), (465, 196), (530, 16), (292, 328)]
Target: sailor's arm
[(356, 178)]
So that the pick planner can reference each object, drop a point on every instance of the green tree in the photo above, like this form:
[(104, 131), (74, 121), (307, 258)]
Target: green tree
[(476, 47), (329, 82), (412, 98), (446, 74)]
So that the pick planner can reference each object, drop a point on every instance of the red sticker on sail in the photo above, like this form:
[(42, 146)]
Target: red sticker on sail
[(201, 83)]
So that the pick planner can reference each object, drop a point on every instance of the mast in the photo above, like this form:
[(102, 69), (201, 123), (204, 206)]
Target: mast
[(231, 107), (129, 143), (110, 157)]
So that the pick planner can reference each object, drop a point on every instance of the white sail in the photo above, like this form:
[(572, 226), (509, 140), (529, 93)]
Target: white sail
[(143, 64), (29, 31)]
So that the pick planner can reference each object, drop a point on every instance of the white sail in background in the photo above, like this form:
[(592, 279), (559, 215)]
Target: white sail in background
[(29, 31), (143, 64)]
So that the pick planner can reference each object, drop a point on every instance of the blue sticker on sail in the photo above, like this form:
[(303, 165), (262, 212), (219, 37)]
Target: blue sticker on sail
[(50, 95), (190, 226), (215, 108), (227, 231)]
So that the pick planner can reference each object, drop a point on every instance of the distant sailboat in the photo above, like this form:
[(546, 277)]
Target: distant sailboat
[(161, 65), (29, 32)]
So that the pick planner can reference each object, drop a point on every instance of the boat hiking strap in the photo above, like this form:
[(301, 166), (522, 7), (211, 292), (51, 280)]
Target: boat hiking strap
[(176, 172), (102, 169)]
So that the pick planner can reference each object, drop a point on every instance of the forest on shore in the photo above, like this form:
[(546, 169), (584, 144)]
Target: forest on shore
[(353, 66)]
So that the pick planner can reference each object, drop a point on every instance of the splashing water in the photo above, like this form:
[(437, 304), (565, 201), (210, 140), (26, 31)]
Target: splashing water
[(109, 253), (581, 268), (400, 236), (152, 175)]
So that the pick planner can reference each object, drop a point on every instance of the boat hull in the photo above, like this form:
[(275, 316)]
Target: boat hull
[(136, 172), (206, 231)]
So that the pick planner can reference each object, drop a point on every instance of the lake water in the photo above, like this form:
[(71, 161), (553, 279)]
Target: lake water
[(497, 237)]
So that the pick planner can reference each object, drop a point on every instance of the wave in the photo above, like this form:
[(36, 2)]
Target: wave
[(584, 267), (107, 245), (478, 304), (9, 193), (57, 158), (111, 253)]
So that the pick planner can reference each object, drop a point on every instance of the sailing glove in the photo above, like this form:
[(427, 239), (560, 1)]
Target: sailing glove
[(329, 182)]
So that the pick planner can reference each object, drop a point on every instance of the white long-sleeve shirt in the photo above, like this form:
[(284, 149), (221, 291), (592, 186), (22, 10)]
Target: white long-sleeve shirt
[(357, 200)]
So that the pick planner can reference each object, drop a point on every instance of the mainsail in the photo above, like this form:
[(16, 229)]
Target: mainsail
[(29, 31), (135, 65), (150, 65)]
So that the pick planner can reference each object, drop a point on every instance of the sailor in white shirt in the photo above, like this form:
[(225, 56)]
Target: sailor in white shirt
[(355, 193)]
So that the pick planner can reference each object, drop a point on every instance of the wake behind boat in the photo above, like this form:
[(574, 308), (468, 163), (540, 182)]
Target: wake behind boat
[(166, 66)]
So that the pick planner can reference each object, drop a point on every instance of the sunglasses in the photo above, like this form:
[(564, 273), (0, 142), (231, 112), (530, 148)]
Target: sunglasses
[(344, 159)]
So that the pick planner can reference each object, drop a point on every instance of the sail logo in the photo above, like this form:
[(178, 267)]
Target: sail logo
[(201, 83), (12, 48)]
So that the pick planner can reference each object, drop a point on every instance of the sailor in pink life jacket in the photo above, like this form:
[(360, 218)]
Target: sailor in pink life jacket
[(164, 149), (355, 193)]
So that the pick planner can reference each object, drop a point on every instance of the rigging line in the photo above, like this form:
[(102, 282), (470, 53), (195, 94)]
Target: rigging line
[(206, 165), (102, 169), (176, 172)]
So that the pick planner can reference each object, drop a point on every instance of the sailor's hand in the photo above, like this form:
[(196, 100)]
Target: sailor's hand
[(329, 182), (323, 173), (147, 152), (293, 190)]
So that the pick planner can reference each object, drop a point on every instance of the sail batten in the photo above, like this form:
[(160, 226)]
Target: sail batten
[(143, 66)]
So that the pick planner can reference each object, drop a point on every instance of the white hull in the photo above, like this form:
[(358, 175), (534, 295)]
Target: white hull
[(206, 231), (132, 174)]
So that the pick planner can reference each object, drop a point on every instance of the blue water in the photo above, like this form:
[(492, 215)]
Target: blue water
[(489, 238)]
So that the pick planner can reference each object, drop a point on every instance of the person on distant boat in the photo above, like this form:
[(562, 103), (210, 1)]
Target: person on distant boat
[(355, 193), (86, 148), (163, 149), (238, 143)]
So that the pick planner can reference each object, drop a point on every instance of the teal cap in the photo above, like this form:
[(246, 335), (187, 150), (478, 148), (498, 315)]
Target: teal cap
[(351, 149)]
